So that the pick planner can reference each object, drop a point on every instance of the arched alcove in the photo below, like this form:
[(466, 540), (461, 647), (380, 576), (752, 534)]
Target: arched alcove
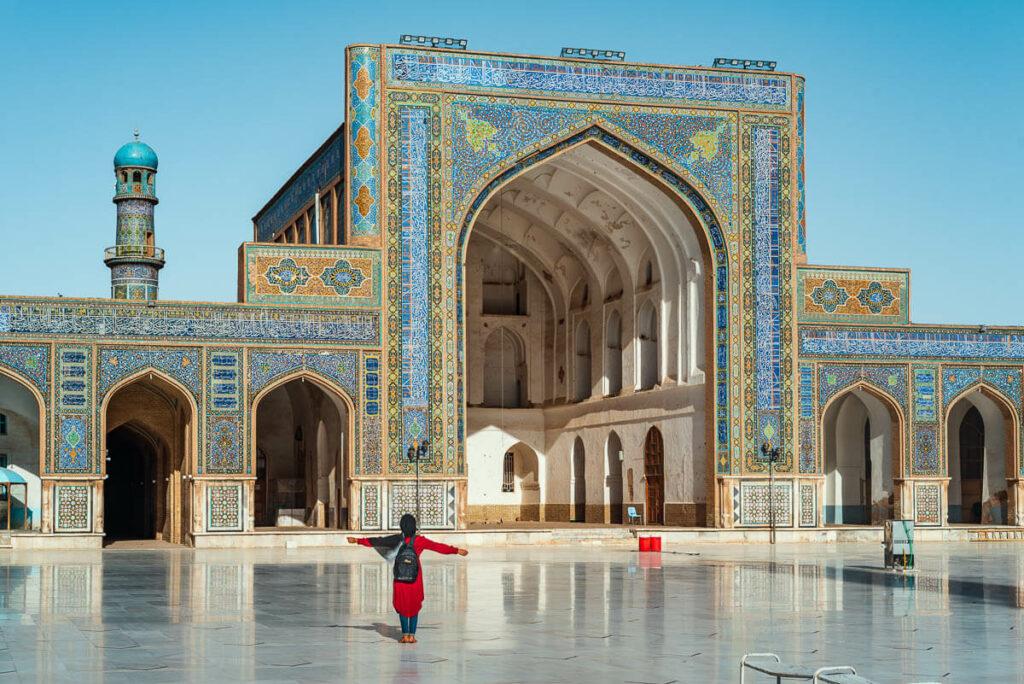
[(505, 370), (980, 438), (21, 436), (613, 477), (303, 443), (613, 354)]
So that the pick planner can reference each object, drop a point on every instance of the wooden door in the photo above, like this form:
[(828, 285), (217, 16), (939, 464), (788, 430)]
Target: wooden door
[(654, 478)]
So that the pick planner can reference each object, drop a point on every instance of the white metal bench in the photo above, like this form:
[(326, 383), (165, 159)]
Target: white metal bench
[(799, 673)]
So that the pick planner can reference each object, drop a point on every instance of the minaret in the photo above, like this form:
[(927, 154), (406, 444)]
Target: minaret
[(135, 260)]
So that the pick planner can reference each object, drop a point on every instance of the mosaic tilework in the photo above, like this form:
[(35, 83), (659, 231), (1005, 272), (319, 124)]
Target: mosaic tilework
[(847, 295), (301, 190), (436, 503), (927, 503), (766, 236), (72, 424), (340, 367), (807, 436), (72, 508), (808, 504), (369, 506), (225, 446), (956, 379), (364, 142), (833, 379), (73, 373), (484, 136), (924, 393), (224, 380), (182, 364), (169, 322), (371, 462), (311, 275), (926, 459), (224, 511), (31, 362), (416, 370), (726, 361), (801, 200), (446, 71), (754, 510), (910, 343)]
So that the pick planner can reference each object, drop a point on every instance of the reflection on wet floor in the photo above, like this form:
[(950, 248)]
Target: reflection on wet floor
[(517, 614)]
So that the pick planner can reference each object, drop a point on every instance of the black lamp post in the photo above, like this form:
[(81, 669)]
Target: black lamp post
[(418, 451), (771, 454)]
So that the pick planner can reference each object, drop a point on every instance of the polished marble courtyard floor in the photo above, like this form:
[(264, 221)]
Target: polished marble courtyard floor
[(566, 614)]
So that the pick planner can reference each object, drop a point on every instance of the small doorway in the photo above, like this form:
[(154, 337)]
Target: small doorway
[(614, 484), (579, 482), (129, 492), (654, 477)]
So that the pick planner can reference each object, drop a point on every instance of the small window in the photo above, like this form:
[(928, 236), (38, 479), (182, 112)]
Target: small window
[(124, 176), (3, 423), (508, 475), (136, 177)]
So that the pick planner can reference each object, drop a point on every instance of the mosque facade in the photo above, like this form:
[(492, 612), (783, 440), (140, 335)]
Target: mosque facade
[(511, 291)]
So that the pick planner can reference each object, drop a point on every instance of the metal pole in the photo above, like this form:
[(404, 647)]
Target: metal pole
[(771, 495), (417, 486)]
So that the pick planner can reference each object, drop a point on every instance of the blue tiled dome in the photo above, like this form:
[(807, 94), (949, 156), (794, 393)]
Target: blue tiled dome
[(135, 153)]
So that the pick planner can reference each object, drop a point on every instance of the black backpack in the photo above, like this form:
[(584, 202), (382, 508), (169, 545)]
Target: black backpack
[(407, 565)]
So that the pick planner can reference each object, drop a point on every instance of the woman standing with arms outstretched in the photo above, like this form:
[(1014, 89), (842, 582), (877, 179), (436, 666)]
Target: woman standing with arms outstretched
[(404, 550)]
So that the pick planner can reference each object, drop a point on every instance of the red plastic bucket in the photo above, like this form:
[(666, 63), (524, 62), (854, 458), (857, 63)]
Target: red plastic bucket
[(655, 544), (645, 543)]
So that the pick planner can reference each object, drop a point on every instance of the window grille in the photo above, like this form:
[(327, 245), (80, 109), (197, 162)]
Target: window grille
[(508, 478)]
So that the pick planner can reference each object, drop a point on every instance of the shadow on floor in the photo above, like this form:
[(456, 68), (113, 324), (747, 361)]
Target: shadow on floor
[(385, 630)]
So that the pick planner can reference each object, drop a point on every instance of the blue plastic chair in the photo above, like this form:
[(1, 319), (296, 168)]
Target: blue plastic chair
[(632, 514)]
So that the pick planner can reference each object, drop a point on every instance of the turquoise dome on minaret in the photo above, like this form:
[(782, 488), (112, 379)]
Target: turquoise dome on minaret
[(136, 153)]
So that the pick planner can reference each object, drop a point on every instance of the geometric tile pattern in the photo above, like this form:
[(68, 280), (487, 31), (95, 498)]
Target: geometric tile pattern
[(74, 396), (436, 503), (767, 315), (73, 368), (226, 444), (369, 505), (683, 86), (924, 394), (808, 504), (891, 380), (956, 379), (224, 512), (371, 461), (363, 138), (31, 362), (485, 137), (311, 275), (415, 334), (754, 508), (224, 376), (910, 343), (167, 322), (72, 508), (926, 459), (847, 295), (801, 217), (927, 503), (182, 364), (339, 367)]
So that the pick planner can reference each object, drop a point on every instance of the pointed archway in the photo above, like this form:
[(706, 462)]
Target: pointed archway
[(302, 432), (981, 439), (22, 434), (862, 437), (149, 438), (612, 254)]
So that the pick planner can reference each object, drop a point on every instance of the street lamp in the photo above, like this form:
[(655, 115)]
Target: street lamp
[(418, 451), (770, 454)]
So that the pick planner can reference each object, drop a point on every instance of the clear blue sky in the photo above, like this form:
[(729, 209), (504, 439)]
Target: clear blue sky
[(915, 137)]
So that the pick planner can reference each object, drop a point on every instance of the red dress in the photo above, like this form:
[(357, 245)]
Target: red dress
[(408, 596)]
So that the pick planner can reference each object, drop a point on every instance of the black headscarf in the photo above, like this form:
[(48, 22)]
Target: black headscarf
[(388, 546)]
